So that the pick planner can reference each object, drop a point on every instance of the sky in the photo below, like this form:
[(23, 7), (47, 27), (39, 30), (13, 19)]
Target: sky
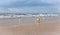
[(29, 6)]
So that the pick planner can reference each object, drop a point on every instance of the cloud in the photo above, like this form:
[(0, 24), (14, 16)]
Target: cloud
[(27, 2), (29, 6), (29, 10)]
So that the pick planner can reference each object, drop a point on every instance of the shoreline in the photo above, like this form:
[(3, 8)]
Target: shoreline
[(30, 29)]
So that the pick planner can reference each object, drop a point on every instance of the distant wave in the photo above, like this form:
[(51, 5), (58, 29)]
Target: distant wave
[(49, 14), (28, 15)]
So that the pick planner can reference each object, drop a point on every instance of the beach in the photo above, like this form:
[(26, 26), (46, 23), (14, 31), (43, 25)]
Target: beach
[(49, 25)]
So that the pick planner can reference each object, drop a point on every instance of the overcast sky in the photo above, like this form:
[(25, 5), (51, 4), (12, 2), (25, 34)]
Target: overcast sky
[(29, 6)]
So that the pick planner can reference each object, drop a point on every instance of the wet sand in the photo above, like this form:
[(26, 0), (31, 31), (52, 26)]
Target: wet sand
[(45, 29), (48, 26)]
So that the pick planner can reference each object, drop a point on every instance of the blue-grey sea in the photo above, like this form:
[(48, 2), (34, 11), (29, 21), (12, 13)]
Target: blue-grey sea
[(29, 20)]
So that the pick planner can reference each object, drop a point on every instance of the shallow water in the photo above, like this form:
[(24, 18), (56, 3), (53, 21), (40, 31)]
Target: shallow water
[(28, 20), (50, 25)]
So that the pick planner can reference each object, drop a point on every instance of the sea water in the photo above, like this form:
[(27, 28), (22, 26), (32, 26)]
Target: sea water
[(28, 20)]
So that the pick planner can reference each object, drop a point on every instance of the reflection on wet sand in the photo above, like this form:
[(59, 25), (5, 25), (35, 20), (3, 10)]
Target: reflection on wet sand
[(51, 26)]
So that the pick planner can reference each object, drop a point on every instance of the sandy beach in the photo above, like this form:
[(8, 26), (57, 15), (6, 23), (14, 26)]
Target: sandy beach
[(45, 29), (51, 26)]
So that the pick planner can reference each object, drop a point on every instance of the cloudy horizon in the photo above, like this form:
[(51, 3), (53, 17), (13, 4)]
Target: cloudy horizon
[(29, 6)]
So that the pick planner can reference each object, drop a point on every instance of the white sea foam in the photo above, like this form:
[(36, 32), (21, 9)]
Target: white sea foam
[(49, 14), (30, 15)]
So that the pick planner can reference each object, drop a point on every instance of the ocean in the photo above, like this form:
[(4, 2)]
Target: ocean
[(28, 20)]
